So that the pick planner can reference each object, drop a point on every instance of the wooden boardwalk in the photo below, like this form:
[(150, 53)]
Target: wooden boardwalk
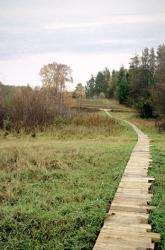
[(126, 226)]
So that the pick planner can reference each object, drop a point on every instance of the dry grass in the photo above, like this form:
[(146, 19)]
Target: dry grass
[(56, 188), (104, 103)]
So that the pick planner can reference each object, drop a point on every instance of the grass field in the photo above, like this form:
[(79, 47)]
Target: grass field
[(104, 103), (157, 216), (55, 189)]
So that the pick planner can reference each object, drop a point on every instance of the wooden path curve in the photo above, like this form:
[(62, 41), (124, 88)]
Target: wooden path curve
[(126, 226)]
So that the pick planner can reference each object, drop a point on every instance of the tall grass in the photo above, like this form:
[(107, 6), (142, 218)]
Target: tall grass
[(55, 189)]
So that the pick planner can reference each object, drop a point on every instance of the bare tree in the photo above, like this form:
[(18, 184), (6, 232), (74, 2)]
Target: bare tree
[(54, 77)]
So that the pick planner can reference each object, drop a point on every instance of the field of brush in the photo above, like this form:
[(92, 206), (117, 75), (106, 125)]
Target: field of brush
[(56, 188)]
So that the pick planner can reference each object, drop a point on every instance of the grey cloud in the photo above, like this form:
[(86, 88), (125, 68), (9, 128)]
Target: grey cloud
[(94, 30), (80, 26), (24, 41)]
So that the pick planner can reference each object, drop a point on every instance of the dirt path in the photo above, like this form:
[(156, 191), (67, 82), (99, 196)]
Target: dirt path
[(126, 226)]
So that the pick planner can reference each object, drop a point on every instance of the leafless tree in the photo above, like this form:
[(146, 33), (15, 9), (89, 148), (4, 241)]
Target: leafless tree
[(54, 77)]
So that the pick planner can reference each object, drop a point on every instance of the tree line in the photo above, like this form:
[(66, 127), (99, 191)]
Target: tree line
[(142, 85)]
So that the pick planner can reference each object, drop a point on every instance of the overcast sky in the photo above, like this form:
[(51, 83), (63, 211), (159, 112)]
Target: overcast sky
[(88, 35)]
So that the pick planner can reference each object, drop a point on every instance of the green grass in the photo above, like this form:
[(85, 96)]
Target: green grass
[(158, 170), (103, 103), (95, 102), (55, 189), (157, 216)]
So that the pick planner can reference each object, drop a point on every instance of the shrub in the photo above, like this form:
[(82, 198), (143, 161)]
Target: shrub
[(93, 120), (144, 107), (102, 95), (7, 125), (160, 123), (26, 108), (1, 116)]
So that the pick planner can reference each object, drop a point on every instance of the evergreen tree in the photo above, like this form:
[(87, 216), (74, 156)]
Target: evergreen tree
[(145, 58), (122, 86), (135, 62), (139, 78), (160, 71), (152, 66), (112, 86), (134, 73), (107, 76), (145, 74), (141, 86), (158, 93), (90, 87), (100, 83)]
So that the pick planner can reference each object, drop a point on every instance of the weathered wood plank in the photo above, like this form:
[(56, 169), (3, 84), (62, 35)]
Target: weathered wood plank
[(126, 225)]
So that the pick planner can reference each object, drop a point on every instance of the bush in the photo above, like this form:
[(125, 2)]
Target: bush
[(102, 95), (1, 116), (26, 108), (160, 123), (144, 107), (7, 125), (61, 121), (94, 120)]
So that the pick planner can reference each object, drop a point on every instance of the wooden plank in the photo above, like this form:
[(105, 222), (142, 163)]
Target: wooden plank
[(129, 208), (126, 225), (117, 246), (131, 202), (131, 195), (132, 240), (134, 190), (137, 179), (154, 236), (129, 216)]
